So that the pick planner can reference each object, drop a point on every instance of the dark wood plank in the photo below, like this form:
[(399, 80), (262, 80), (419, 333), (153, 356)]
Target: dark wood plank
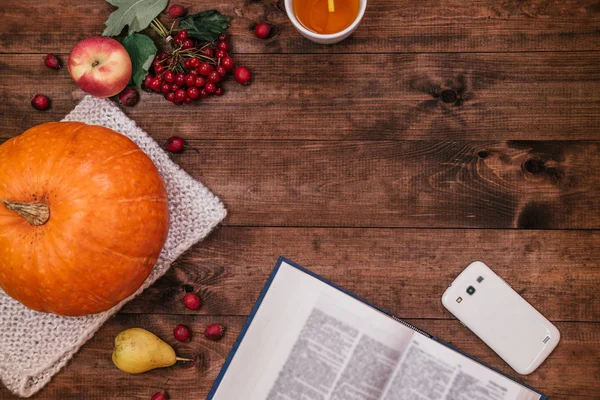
[(388, 26), (515, 184), (570, 372), (402, 270), (372, 97)]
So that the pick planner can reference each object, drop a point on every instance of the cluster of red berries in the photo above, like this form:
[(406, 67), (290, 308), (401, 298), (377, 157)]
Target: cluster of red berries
[(190, 72)]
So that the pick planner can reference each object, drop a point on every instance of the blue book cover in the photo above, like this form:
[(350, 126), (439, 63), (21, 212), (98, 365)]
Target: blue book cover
[(307, 338)]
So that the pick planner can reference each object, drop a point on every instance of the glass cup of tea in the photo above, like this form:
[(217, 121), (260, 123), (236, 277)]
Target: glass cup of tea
[(325, 21)]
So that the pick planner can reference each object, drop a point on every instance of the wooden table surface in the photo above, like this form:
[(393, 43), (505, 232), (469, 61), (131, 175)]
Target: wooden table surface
[(440, 133)]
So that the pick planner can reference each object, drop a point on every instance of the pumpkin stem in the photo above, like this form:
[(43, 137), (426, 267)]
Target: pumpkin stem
[(35, 213)]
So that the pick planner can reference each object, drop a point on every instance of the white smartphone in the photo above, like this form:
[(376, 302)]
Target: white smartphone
[(504, 320)]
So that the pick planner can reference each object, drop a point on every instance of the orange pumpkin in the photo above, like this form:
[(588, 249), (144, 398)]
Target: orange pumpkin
[(83, 218)]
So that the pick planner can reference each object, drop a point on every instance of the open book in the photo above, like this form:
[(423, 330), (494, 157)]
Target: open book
[(308, 339)]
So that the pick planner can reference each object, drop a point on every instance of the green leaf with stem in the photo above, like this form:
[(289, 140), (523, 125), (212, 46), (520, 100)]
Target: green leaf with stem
[(205, 26), (141, 49)]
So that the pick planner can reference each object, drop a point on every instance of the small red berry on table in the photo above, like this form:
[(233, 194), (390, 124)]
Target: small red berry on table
[(262, 30), (242, 75), (176, 11), (40, 102), (51, 61), (214, 332), (129, 97), (191, 300), (181, 332), (175, 143)]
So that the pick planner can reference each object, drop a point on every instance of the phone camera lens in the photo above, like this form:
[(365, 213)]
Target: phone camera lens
[(471, 290)]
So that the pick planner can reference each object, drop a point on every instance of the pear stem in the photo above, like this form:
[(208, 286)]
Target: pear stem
[(183, 359)]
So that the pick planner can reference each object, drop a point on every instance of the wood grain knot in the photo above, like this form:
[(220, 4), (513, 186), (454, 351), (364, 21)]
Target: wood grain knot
[(448, 96), (534, 166)]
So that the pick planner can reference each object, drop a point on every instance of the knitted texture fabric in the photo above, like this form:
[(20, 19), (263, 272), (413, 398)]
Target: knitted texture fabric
[(34, 346)]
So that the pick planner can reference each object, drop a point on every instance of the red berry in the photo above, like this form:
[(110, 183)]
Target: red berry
[(203, 93), (177, 102), (160, 396), (205, 69), (221, 70), (219, 91), (180, 79), (158, 69), (147, 81), (155, 84), (190, 80), (129, 97), (177, 41), (180, 94), (182, 35), (220, 53), (214, 332), (210, 87), (223, 46), (176, 11), (40, 102), (187, 63), (227, 63), (242, 75), (188, 44), (195, 62), (223, 37), (262, 30), (162, 55), (214, 77), (188, 100), (170, 96), (191, 300), (207, 52), (174, 87), (194, 93), (52, 61), (199, 81), (169, 76), (165, 88), (193, 72), (175, 145)]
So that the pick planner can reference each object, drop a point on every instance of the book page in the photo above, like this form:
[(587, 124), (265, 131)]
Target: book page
[(311, 341)]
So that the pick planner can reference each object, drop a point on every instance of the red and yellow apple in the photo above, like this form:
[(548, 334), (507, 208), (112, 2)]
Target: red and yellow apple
[(100, 66)]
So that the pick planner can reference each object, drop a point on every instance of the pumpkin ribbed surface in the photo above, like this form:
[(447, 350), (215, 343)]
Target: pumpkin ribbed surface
[(83, 218)]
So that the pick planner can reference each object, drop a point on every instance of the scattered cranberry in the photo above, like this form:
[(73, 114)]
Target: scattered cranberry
[(174, 143), (191, 300), (242, 75), (129, 97), (227, 63), (160, 396), (219, 91), (262, 30), (40, 102), (176, 11), (214, 332), (52, 61), (181, 333)]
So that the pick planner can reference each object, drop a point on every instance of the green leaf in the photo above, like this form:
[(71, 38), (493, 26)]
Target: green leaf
[(136, 13), (206, 25), (141, 50)]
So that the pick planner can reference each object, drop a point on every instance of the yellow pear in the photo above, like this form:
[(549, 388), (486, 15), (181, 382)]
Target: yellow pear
[(137, 351)]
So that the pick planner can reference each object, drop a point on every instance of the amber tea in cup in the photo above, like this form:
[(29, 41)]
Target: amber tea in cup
[(326, 16)]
